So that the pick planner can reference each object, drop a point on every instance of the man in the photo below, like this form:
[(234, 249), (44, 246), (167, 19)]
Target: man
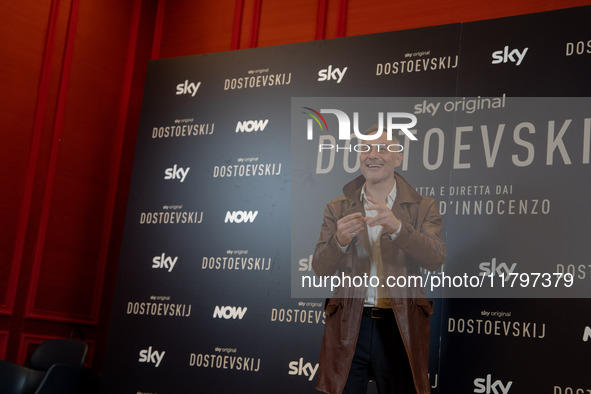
[(380, 227)]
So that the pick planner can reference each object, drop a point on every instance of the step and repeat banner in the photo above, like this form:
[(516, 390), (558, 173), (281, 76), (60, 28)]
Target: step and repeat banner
[(238, 153)]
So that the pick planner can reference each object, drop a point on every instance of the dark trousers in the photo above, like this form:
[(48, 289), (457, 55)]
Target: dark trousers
[(380, 355)]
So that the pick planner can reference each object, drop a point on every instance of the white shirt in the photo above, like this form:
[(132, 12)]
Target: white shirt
[(377, 296)]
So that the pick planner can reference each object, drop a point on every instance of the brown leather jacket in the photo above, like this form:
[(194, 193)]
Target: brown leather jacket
[(418, 244)]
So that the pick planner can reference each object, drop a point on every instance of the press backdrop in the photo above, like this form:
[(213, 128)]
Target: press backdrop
[(228, 193)]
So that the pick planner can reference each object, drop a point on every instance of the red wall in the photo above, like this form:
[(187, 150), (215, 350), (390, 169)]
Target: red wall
[(72, 74), (69, 108)]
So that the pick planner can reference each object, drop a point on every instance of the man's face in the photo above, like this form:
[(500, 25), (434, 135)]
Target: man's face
[(378, 163)]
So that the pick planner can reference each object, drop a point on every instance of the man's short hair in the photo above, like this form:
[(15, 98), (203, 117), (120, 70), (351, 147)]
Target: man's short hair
[(375, 129)]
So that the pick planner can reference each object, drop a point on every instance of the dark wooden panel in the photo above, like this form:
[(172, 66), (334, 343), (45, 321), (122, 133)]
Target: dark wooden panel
[(68, 269), (332, 18), (287, 21), (246, 27), (377, 16), (3, 344), (194, 27), (20, 70)]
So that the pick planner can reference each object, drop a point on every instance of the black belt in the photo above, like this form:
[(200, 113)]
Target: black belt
[(378, 313)]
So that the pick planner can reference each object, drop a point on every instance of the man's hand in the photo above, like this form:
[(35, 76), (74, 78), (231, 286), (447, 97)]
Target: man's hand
[(349, 227), (385, 217)]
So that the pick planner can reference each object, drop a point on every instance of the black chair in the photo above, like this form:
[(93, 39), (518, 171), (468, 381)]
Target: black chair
[(16, 379), (60, 379), (58, 351), (54, 367)]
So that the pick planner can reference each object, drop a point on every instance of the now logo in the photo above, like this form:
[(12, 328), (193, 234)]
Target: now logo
[(240, 216), (251, 125), (229, 312)]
